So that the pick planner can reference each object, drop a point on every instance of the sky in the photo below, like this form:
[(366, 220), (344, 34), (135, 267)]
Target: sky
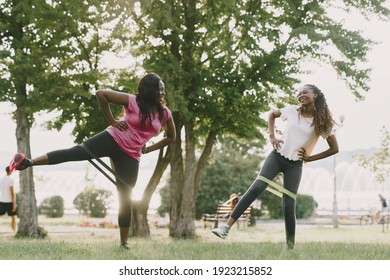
[(363, 119)]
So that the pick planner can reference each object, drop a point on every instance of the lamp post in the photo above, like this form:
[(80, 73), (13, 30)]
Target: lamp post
[(335, 210)]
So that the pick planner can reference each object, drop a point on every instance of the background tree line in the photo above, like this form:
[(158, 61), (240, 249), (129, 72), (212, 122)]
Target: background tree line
[(224, 63)]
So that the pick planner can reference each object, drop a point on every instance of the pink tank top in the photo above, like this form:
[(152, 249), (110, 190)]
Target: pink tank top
[(132, 140)]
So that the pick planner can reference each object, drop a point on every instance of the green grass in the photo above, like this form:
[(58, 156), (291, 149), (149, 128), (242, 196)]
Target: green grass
[(68, 241)]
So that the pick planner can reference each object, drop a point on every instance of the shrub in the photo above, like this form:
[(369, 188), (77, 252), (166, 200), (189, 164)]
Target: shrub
[(93, 202), (52, 207), (305, 205), (273, 204)]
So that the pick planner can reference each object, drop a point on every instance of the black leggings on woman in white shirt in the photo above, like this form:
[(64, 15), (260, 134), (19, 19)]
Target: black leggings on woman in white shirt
[(292, 171), (103, 145)]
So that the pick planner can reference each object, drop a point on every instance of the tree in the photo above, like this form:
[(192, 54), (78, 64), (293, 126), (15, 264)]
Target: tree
[(52, 207), (31, 36), (93, 202), (49, 57), (379, 162), (91, 25), (224, 62), (306, 206)]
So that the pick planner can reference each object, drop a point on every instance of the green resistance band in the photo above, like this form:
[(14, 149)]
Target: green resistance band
[(276, 189)]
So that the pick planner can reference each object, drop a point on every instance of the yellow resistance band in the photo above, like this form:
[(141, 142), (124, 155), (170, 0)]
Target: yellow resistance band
[(276, 189)]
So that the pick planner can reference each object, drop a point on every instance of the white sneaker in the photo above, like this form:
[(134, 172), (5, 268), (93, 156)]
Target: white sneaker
[(222, 232)]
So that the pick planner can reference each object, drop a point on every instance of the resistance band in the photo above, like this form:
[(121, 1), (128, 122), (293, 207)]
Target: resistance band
[(276, 189), (105, 166)]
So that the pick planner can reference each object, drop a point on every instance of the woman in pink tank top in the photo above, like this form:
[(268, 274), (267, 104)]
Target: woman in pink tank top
[(123, 141)]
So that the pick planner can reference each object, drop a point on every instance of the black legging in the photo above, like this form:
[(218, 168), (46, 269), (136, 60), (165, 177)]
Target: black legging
[(103, 145), (292, 171)]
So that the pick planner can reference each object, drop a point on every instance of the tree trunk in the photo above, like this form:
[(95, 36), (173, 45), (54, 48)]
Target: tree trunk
[(177, 179), (186, 223), (27, 208), (139, 221), (184, 184)]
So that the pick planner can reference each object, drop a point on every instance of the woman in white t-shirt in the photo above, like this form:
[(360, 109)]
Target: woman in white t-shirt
[(305, 123)]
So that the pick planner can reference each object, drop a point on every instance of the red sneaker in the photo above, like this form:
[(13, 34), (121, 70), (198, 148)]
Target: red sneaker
[(19, 162)]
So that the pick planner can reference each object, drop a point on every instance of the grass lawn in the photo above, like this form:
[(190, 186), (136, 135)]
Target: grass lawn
[(68, 240)]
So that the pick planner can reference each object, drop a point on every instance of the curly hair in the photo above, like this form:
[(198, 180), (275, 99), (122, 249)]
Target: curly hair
[(147, 98), (322, 120)]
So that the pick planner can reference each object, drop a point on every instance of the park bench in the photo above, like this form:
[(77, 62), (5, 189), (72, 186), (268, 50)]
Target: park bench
[(223, 212)]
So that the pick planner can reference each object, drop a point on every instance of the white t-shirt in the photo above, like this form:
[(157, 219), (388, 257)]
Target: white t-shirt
[(298, 133), (5, 183)]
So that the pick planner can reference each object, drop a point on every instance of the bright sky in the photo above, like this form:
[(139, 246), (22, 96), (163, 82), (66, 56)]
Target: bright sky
[(363, 120)]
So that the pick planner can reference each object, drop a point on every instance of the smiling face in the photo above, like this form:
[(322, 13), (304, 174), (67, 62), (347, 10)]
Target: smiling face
[(151, 89), (306, 96), (161, 89)]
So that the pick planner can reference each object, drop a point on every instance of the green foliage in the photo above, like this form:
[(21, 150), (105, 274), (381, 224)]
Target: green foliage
[(273, 204), (224, 61), (305, 205), (52, 207), (93, 202), (163, 209), (91, 26), (379, 162), (232, 169), (35, 48), (51, 57)]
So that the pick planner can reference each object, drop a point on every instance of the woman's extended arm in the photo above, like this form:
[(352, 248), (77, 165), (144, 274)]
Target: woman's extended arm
[(105, 97), (170, 136), (333, 149)]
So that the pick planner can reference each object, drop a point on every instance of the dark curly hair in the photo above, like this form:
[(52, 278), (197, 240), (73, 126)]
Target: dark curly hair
[(322, 120), (148, 98)]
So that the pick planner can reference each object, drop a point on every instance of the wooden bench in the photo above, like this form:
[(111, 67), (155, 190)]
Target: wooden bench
[(223, 212)]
